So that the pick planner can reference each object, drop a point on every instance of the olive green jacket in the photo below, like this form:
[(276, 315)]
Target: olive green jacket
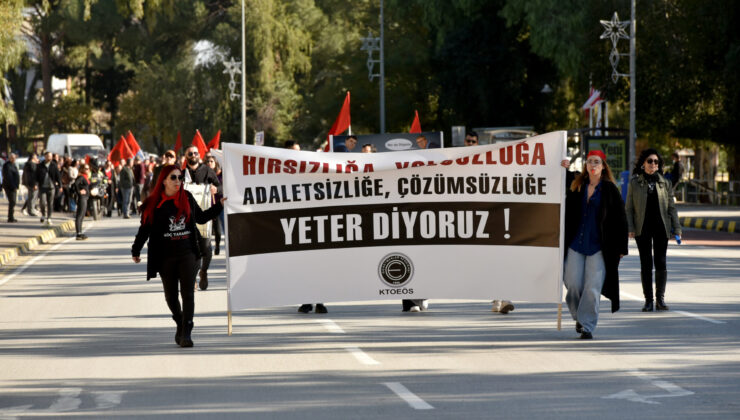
[(637, 200)]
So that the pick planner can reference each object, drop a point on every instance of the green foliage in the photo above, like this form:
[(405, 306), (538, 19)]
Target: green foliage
[(11, 49), (67, 115)]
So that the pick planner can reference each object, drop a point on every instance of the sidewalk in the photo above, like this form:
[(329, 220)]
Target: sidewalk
[(28, 233), (709, 217)]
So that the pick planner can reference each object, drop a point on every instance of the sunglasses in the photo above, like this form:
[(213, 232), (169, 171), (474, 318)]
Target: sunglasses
[(193, 153), (471, 141), (594, 162), (169, 156), (651, 161), (177, 177)]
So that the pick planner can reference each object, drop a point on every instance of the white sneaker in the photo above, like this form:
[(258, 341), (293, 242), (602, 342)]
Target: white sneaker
[(48, 222), (505, 306), (425, 304), (415, 309)]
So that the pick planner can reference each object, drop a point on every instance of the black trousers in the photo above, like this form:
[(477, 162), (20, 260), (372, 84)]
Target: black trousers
[(46, 200), (12, 195), (653, 246), (81, 210), (30, 203), (180, 271), (207, 251)]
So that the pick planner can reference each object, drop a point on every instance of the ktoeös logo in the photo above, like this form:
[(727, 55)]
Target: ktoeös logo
[(395, 270)]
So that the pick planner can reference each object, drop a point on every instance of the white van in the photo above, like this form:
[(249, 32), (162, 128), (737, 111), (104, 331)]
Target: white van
[(76, 146)]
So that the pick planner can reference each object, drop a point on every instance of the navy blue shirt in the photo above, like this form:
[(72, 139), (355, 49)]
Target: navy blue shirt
[(588, 238)]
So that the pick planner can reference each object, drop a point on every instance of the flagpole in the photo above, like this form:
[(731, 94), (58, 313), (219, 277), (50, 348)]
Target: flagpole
[(244, 78)]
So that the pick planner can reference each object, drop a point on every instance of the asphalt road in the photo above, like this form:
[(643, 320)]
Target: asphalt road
[(83, 335)]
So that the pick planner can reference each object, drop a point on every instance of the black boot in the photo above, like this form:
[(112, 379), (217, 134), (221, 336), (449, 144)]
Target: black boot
[(646, 278), (187, 329), (661, 277), (178, 333)]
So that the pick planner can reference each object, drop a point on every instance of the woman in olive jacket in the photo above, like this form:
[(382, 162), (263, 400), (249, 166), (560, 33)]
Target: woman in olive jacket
[(168, 218), (596, 240), (651, 215)]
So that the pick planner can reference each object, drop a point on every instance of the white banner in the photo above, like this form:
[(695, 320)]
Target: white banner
[(471, 222)]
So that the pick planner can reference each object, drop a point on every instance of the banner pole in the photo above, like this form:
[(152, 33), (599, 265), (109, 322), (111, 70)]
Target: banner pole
[(226, 168), (560, 315), (228, 313)]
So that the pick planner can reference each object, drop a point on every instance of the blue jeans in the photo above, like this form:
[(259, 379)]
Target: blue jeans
[(584, 278), (125, 200)]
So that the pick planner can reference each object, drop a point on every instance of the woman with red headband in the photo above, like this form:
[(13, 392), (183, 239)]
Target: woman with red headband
[(651, 216), (596, 237), (168, 218)]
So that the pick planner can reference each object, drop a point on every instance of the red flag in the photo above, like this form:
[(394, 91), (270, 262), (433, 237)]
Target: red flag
[(178, 144), (199, 143), (120, 151), (415, 126), (132, 143), (341, 124), (215, 141)]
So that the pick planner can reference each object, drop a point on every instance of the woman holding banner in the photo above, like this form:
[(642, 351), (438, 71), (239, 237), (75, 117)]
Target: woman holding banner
[(596, 237), (168, 218), (651, 216)]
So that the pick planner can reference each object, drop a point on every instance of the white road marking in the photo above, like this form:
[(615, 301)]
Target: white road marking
[(408, 396), (108, 399), (12, 413), (684, 313), (331, 326), (630, 395), (361, 356), (67, 400), (33, 260)]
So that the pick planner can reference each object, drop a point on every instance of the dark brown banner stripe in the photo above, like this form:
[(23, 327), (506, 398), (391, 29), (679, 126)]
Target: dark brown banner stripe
[(529, 224)]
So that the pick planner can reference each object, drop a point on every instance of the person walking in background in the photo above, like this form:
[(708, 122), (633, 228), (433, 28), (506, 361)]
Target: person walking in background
[(29, 180), (139, 170), (81, 187), (651, 215), (11, 183), (217, 223), (676, 170), (199, 173), (126, 186), (499, 305), (596, 237), (168, 218), (50, 183)]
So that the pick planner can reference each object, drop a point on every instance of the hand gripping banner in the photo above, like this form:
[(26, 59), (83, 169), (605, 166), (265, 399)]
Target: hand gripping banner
[(469, 222)]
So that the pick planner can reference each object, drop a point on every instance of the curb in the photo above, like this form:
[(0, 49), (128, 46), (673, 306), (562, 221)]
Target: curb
[(7, 256), (719, 225)]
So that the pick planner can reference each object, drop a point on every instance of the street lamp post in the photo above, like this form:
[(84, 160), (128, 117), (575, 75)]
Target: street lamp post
[(614, 30), (244, 79), (371, 44)]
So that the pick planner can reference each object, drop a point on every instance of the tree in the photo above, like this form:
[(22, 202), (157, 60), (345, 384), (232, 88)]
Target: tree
[(11, 50)]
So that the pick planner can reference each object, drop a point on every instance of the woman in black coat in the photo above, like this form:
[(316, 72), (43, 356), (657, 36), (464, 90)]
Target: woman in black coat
[(168, 218), (81, 187), (596, 240)]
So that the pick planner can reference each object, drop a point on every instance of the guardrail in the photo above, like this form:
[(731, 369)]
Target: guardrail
[(706, 191)]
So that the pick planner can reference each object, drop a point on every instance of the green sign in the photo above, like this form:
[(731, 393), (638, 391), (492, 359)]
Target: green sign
[(615, 150)]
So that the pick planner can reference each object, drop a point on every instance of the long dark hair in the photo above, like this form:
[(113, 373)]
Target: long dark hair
[(641, 160), (156, 196)]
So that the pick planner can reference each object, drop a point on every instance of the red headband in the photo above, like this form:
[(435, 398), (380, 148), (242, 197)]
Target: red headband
[(598, 153)]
